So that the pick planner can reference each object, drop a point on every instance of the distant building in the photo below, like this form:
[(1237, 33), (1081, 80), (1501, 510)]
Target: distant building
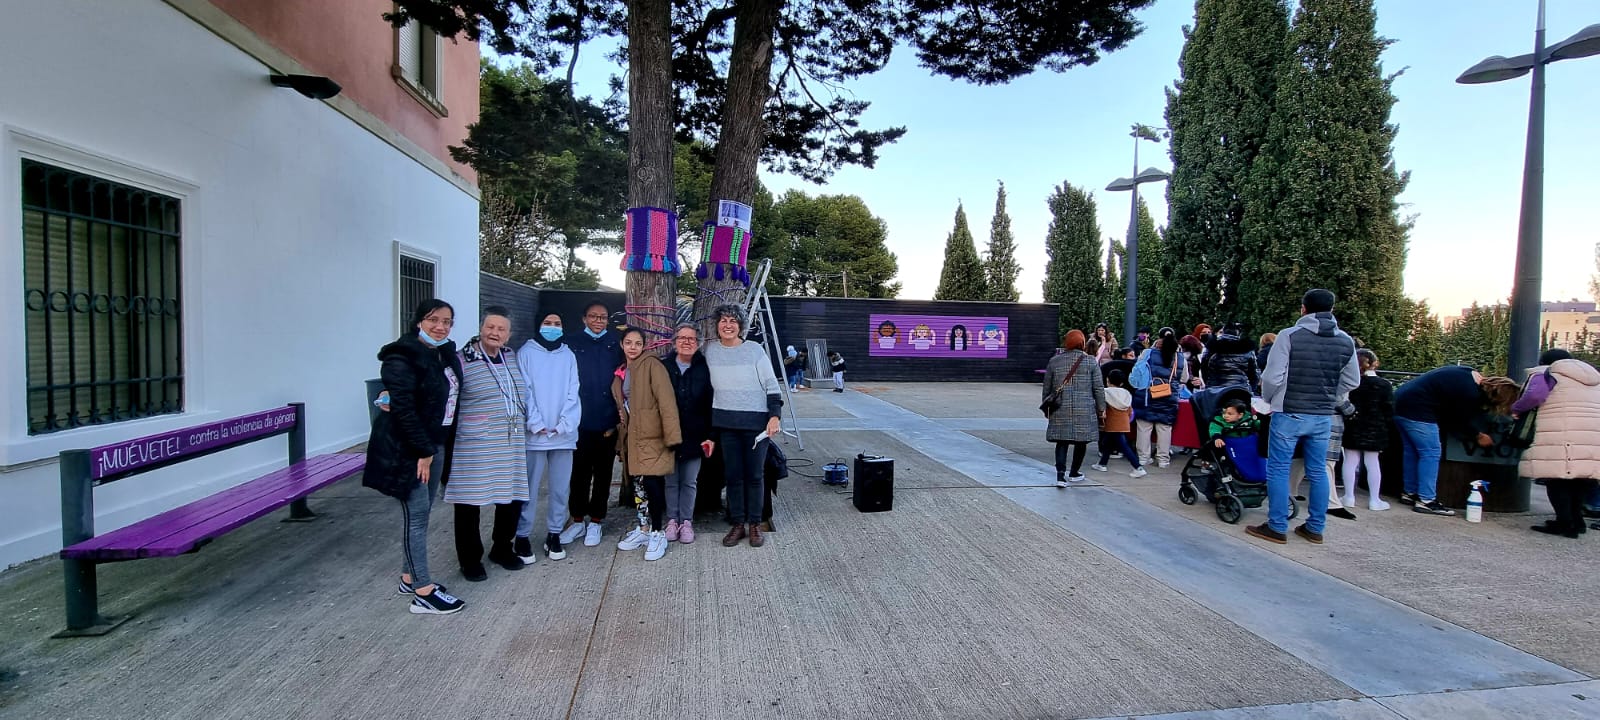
[(191, 243), (1566, 324)]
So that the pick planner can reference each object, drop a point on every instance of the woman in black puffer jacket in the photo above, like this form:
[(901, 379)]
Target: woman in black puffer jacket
[(1367, 432), (406, 454), (1232, 361)]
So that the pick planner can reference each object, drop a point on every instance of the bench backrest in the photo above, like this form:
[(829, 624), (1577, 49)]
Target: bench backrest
[(112, 462)]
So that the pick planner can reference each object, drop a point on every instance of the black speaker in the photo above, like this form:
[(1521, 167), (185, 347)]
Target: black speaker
[(874, 490)]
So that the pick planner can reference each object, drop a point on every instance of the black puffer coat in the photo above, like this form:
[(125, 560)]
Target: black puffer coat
[(414, 375), (693, 388), (1368, 429), (1231, 362)]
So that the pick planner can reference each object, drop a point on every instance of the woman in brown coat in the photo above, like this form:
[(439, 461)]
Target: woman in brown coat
[(649, 434)]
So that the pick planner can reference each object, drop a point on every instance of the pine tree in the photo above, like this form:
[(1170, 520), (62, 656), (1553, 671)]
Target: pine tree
[(1000, 268), (1320, 208), (1152, 268), (1072, 275), (962, 276), (1218, 112), (1115, 289)]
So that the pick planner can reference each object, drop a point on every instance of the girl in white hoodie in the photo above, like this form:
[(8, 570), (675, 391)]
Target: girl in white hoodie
[(551, 370)]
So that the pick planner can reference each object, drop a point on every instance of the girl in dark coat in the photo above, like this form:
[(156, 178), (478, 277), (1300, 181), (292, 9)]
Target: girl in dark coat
[(1367, 432), (406, 454)]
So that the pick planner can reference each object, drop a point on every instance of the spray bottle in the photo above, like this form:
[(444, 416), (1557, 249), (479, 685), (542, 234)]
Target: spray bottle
[(1475, 501)]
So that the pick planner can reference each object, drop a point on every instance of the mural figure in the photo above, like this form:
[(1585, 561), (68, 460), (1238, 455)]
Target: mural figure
[(992, 337), (886, 334), (958, 337), (922, 336)]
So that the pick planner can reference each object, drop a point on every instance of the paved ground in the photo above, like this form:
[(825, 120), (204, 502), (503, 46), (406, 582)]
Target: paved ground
[(986, 593)]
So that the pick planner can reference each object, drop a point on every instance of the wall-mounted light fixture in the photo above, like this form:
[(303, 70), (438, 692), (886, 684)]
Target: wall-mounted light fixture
[(315, 87)]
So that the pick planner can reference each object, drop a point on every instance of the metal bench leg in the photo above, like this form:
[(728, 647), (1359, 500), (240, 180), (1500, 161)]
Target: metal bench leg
[(83, 602), (77, 525), (300, 511)]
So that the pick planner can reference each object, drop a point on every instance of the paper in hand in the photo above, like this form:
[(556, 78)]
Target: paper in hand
[(759, 438)]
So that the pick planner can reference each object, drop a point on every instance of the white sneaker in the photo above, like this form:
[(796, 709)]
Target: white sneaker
[(591, 535), (1116, 456), (1097, 467), (1377, 504), (1076, 478), (1163, 463), (634, 540), (570, 535), (1349, 501), (1061, 481), (1139, 472), (656, 546)]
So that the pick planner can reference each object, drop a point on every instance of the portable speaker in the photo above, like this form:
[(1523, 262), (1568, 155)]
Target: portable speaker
[(874, 490)]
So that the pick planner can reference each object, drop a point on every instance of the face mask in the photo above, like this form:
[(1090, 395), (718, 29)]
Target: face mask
[(550, 333), (593, 334), (429, 339)]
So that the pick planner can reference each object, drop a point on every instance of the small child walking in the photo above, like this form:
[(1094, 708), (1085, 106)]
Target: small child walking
[(1366, 433), (1119, 422), (836, 361)]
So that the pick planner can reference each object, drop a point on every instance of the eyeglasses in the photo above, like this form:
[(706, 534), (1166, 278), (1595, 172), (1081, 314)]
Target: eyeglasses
[(596, 317), (687, 338), (435, 320)]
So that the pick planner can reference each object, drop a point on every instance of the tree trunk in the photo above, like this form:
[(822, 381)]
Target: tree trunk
[(651, 296), (742, 136)]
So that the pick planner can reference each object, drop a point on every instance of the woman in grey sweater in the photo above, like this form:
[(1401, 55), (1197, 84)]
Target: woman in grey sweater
[(745, 402)]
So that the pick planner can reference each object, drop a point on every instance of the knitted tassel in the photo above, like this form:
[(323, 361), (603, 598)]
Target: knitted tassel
[(650, 240)]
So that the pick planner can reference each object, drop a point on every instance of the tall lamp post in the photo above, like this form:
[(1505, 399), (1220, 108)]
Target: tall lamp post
[(1130, 270), (1525, 290)]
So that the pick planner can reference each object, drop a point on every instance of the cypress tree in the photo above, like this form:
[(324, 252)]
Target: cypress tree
[(1218, 111), (1001, 268), (1115, 287), (1320, 207), (962, 276), (1072, 275), (1152, 268)]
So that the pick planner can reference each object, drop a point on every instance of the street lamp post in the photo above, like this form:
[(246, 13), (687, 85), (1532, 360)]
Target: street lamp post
[(1130, 269), (1525, 290)]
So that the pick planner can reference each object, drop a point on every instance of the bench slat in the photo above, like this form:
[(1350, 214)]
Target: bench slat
[(180, 517), (184, 529)]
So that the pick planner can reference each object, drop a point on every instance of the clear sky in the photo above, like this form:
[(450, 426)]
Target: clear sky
[(1463, 145)]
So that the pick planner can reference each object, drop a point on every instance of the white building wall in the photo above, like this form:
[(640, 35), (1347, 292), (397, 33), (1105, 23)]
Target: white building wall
[(292, 214)]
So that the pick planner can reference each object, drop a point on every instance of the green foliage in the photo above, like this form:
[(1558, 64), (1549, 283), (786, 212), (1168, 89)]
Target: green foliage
[(1115, 287), (1000, 268), (1417, 344), (820, 244), (1152, 267), (1219, 112), (1320, 207), (1073, 277), (962, 276), (527, 141), (1479, 339)]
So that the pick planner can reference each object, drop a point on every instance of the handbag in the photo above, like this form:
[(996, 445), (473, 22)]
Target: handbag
[(1164, 388), (1052, 402)]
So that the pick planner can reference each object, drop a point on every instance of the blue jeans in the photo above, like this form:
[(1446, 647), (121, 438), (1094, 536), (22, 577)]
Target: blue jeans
[(1310, 434), (1422, 452)]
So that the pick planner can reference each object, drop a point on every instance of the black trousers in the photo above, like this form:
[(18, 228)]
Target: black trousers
[(650, 499), (743, 467), (469, 541), (591, 474), (1567, 496), (1078, 451)]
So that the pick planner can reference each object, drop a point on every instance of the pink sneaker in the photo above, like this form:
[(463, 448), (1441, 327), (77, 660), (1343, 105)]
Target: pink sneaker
[(685, 532), (672, 530)]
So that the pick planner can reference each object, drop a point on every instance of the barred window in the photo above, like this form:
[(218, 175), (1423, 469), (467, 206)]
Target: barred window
[(101, 269), (416, 285)]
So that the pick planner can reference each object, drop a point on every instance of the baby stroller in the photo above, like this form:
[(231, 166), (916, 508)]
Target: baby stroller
[(1233, 477)]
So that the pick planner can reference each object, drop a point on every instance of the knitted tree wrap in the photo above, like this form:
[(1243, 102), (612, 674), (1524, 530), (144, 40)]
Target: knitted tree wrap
[(650, 240)]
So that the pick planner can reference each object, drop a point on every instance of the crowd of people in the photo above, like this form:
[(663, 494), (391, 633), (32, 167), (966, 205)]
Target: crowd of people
[(492, 425), (1322, 397)]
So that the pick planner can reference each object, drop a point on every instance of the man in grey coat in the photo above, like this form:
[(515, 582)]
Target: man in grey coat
[(1311, 369)]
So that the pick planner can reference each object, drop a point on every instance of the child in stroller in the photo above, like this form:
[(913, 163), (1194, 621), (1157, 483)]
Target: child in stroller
[(1229, 470)]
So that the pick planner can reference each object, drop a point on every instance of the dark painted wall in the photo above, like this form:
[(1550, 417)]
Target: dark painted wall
[(844, 323)]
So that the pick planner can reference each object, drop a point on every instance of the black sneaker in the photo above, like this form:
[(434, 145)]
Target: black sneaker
[(1341, 513), (1432, 507), (552, 547), (437, 602), (406, 589), (1408, 498), (523, 547), (476, 573), (506, 559)]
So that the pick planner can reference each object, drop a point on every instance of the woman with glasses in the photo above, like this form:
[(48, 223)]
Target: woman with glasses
[(745, 402), (691, 382), (599, 353), (489, 463), (406, 454)]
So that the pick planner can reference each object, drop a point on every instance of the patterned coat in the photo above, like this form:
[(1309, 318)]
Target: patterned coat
[(490, 464), (1082, 400)]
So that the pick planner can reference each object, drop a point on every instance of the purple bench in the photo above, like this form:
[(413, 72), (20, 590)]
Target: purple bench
[(183, 529)]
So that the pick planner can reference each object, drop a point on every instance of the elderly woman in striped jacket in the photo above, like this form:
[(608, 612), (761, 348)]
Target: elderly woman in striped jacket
[(490, 463)]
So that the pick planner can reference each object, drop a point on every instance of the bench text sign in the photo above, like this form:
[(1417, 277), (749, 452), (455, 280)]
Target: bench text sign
[(118, 458)]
